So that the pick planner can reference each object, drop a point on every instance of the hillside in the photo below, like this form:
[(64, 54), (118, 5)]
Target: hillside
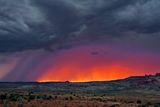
[(135, 91), (148, 82)]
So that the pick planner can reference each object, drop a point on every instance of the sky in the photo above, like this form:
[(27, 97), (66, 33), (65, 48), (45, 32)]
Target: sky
[(78, 40)]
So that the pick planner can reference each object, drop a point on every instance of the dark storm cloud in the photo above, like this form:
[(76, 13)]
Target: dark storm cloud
[(33, 24)]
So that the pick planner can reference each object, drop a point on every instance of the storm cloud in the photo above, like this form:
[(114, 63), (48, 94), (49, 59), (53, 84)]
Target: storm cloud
[(35, 24)]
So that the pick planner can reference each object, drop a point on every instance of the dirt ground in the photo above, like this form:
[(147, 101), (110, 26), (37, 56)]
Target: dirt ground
[(83, 101)]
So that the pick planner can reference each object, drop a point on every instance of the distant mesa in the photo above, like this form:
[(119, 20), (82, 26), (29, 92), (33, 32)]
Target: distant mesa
[(157, 74), (67, 82), (147, 80)]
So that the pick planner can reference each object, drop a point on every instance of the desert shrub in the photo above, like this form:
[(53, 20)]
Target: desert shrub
[(44, 97), (25, 97), (113, 106), (157, 105), (114, 100), (71, 98), (142, 105), (148, 103), (139, 101), (145, 104), (49, 97), (20, 105), (30, 93), (55, 97), (21, 102), (66, 98), (6, 103), (31, 97), (65, 106), (1, 101), (130, 101), (3, 96), (103, 95), (58, 93), (14, 97), (38, 97)]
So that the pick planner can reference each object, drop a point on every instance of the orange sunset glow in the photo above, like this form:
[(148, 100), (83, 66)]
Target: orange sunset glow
[(94, 74), (78, 65)]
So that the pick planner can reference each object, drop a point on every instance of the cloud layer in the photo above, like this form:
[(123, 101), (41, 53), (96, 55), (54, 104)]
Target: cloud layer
[(34, 24)]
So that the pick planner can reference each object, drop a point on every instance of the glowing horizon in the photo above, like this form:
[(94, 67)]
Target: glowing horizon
[(98, 63)]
